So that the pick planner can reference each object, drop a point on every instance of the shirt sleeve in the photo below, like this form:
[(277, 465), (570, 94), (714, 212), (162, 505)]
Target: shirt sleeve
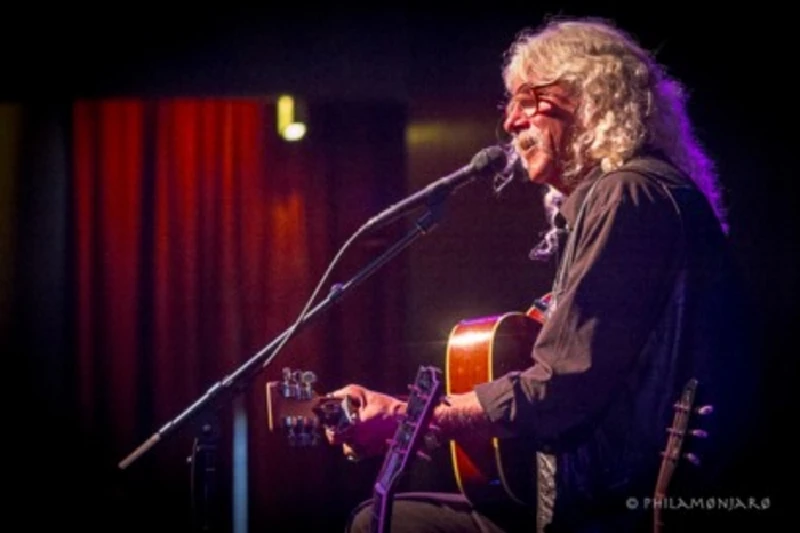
[(619, 279)]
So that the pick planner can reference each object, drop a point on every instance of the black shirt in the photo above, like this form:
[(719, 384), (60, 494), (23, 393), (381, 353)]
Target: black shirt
[(621, 273), (645, 299)]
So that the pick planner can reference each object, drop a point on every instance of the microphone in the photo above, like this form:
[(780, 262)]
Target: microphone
[(484, 165)]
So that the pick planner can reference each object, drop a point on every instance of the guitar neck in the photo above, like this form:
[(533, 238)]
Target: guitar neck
[(394, 465), (382, 498)]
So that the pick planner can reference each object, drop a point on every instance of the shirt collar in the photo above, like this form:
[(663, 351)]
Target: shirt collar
[(570, 207)]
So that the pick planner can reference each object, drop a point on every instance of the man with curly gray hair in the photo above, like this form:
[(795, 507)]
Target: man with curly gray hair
[(644, 301)]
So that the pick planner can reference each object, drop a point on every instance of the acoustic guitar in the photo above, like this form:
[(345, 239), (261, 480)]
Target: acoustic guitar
[(481, 350), (478, 350)]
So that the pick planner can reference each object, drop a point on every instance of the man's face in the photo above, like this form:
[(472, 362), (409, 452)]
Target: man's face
[(540, 118)]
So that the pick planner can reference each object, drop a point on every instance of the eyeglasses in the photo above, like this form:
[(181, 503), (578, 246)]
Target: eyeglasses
[(525, 100)]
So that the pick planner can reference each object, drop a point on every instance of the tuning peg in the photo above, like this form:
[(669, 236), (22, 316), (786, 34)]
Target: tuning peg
[(432, 440), (305, 381), (692, 458), (291, 436), (288, 389), (316, 437), (703, 410), (424, 456), (305, 437), (699, 433)]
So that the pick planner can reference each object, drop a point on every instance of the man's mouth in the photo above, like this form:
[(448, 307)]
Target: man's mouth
[(525, 142)]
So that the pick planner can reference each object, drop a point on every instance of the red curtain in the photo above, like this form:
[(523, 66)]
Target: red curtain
[(199, 235)]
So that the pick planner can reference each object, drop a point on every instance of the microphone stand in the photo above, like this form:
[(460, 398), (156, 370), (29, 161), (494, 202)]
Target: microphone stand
[(204, 445), (202, 468)]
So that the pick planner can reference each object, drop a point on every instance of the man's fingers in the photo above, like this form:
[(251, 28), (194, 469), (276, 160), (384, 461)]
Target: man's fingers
[(335, 437), (338, 438), (350, 453), (347, 390), (356, 392)]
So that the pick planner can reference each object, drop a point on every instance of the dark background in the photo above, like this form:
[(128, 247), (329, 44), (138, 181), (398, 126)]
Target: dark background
[(442, 66)]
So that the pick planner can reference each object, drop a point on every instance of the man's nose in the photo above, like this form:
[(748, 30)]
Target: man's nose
[(515, 121)]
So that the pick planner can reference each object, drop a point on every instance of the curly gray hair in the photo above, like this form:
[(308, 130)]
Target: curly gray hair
[(627, 100)]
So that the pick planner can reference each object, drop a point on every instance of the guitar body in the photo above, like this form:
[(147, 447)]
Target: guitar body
[(478, 351)]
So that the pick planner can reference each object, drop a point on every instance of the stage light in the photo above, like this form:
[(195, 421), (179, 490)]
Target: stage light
[(294, 131), (291, 118)]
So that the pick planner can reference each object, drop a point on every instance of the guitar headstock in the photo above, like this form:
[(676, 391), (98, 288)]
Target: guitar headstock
[(294, 407), (684, 428), (686, 414), (425, 394)]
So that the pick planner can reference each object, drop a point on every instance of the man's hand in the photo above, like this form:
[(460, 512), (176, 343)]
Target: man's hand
[(377, 416)]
